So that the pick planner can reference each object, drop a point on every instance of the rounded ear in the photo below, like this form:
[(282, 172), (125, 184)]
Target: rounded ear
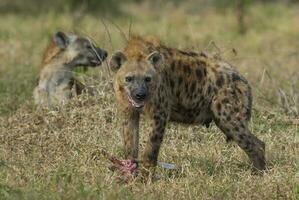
[(155, 58), (117, 59), (61, 40)]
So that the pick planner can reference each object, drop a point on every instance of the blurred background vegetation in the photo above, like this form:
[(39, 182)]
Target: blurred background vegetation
[(112, 7)]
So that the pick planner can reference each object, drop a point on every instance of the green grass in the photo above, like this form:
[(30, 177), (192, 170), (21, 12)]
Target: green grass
[(55, 155)]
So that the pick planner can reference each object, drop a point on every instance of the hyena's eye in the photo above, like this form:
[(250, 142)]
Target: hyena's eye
[(148, 79), (128, 78)]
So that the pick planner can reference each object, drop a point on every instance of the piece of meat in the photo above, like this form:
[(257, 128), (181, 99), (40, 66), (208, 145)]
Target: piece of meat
[(127, 169)]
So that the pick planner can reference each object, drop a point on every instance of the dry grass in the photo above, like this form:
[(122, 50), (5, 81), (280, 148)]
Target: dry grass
[(55, 154)]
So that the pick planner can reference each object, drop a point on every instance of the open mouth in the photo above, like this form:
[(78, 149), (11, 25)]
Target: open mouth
[(134, 103), (95, 62), (98, 60)]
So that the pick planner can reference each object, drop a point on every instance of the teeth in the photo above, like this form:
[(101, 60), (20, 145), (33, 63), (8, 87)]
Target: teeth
[(134, 103), (95, 61)]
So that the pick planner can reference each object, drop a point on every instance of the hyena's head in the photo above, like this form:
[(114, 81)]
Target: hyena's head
[(136, 79), (78, 51)]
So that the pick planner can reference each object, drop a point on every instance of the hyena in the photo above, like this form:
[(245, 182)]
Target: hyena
[(64, 53), (171, 85)]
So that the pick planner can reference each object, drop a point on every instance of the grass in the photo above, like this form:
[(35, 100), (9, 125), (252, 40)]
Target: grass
[(55, 154)]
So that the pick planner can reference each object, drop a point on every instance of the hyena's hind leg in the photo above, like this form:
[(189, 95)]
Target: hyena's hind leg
[(231, 116)]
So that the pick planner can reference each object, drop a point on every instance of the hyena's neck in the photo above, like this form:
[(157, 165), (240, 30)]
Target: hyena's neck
[(54, 75)]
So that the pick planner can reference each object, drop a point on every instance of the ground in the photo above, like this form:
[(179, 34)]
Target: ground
[(55, 155)]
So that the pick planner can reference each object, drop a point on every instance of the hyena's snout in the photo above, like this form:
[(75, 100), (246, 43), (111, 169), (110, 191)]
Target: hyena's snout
[(138, 97), (100, 56), (140, 94), (102, 53)]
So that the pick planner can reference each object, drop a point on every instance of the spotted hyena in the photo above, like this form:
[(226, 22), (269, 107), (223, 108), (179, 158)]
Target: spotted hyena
[(167, 84), (63, 54)]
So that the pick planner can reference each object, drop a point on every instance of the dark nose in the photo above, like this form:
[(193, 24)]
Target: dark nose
[(104, 54), (140, 96)]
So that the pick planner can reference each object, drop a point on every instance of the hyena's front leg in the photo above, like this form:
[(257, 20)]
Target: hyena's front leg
[(131, 135), (152, 148)]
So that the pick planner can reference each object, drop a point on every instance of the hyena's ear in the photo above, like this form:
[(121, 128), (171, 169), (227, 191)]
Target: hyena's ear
[(116, 61), (156, 59), (61, 40)]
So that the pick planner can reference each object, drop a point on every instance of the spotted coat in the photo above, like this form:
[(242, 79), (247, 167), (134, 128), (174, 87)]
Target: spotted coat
[(187, 87)]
